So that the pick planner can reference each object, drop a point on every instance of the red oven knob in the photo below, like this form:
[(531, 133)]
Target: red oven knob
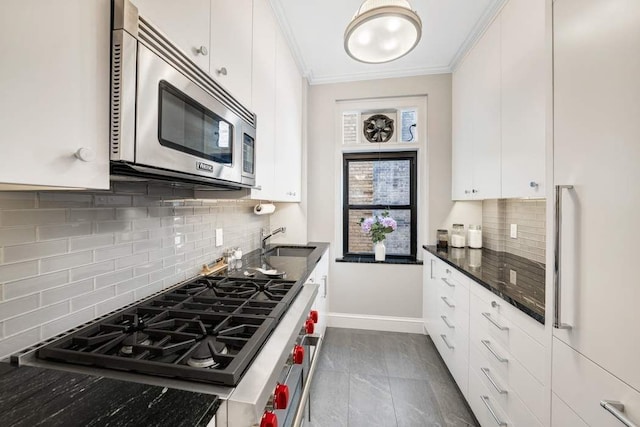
[(313, 315), (269, 419), (309, 326), (298, 354), (281, 397)]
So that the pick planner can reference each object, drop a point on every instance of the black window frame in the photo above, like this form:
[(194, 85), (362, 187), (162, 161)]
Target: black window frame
[(412, 156)]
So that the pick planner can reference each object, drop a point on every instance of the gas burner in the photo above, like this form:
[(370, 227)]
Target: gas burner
[(137, 338), (204, 355)]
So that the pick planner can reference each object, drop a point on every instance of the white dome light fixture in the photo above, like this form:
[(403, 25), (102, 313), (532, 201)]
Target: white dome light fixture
[(382, 31)]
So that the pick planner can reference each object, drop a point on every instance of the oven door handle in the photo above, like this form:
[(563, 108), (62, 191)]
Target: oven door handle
[(297, 420)]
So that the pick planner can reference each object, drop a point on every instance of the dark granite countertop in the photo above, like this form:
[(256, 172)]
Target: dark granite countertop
[(32, 396), (37, 396), (491, 270)]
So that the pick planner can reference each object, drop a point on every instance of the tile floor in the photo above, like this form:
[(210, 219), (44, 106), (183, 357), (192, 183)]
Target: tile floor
[(380, 379)]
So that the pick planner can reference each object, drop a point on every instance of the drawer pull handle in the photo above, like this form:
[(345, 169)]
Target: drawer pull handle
[(446, 301), (557, 318), (496, 324), (492, 351), (447, 271), (617, 410), (495, 385), (444, 338), (446, 322), (449, 284), (431, 274), (485, 400)]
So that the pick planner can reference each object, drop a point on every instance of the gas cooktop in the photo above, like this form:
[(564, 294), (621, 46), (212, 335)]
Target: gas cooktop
[(208, 330)]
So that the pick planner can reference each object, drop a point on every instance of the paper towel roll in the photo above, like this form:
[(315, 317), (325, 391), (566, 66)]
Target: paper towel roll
[(264, 209)]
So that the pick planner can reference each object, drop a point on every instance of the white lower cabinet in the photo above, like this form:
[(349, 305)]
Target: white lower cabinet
[(320, 275), (493, 351), (562, 415), (582, 385)]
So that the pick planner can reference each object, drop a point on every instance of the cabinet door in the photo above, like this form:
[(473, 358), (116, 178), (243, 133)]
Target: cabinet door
[(524, 74), (185, 22), (263, 96), (597, 150), (462, 132), (54, 87), (429, 293), (231, 43), (486, 114), (288, 142)]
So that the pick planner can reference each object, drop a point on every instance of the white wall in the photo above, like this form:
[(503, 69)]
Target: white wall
[(366, 289)]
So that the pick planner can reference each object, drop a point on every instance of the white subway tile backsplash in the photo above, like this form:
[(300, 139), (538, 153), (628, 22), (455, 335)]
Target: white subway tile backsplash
[(19, 341), (91, 270), (16, 236), (18, 306), (34, 250), (67, 322), (92, 298), (91, 242), (131, 261), (50, 232), (35, 284), (34, 318), (17, 271), (115, 277), (63, 262), (113, 252), (83, 247), (67, 292), (32, 217)]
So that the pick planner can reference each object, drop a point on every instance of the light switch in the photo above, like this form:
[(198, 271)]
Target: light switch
[(218, 237), (514, 231), (513, 276)]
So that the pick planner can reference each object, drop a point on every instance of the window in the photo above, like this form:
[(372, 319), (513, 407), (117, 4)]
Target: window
[(375, 182)]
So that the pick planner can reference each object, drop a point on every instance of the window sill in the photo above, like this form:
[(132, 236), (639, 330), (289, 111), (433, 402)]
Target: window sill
[(369, 260)]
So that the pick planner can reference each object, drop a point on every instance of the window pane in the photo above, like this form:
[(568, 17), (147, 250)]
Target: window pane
[(397, 242), (379, 182)]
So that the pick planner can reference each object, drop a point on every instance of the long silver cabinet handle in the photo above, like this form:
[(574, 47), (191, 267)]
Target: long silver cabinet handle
[(432, 262), (496, 324), (617, 410), (557, 318), (324, 281), (485, 400), (446, 301), (495, 385), (444, 338), (446, 322), (492, 351), (449, 284)]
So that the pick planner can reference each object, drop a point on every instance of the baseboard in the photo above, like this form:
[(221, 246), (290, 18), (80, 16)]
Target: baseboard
[(376, 323)]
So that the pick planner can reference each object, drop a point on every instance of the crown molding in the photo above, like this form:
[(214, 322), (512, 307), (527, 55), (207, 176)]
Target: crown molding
[(368, 75), (478, 30), (287, 32)]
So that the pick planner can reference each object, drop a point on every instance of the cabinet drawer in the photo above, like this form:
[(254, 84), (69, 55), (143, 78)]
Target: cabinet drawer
[(582, 385), (508, 409), (511, 377), (562, 415), (452, 288), (455, 353), (489, 322)]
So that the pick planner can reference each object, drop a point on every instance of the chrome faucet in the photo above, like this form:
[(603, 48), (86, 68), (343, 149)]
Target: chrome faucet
[(264, 236)]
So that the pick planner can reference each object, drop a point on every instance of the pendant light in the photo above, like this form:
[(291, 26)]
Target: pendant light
[(382, 31)]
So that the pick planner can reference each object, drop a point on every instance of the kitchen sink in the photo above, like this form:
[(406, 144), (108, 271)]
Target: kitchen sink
[(293, 251)]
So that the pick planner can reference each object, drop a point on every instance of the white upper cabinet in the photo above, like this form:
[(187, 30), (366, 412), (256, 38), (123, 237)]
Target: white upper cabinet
[(499, 99), (263, 96), (54, 86), (524, 77), (231, 43), (288, 142), (476, 121), (185, 22)]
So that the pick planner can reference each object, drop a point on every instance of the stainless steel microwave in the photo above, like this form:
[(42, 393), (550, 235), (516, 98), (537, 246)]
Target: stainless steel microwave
[(169, 119)]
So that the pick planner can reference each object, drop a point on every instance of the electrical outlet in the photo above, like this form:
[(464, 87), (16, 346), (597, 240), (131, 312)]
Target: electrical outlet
[(218, 237), (513, 276), (514, 231)]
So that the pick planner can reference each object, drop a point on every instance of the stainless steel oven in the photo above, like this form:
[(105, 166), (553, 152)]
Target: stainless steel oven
[(169, 119)]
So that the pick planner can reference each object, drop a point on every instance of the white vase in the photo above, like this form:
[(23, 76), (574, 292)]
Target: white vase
[(380, 251)]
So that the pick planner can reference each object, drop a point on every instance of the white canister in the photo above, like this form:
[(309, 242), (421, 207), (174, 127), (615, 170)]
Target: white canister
[(475, 236)]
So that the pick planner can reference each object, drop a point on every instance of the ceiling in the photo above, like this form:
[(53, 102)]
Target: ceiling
[(315, 30)]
